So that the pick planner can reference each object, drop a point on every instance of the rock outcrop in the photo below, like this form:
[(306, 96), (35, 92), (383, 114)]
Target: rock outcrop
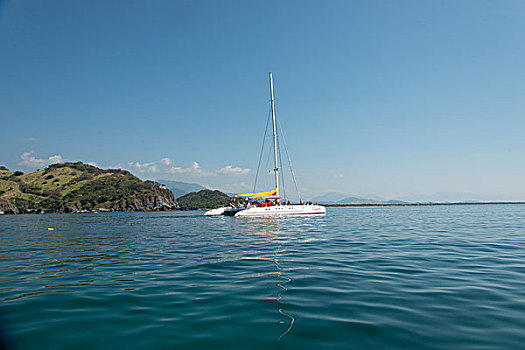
[(6, 207)]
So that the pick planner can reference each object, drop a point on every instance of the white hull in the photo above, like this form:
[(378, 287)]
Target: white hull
[(216, 212), (279, 210), (228, 211)]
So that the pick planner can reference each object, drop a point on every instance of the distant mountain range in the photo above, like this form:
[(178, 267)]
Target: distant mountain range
[(179, 188), (341, 198), (441, 197), (460, 197)]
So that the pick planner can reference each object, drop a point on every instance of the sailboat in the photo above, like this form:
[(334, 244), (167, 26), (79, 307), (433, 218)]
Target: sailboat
[(268, 207)]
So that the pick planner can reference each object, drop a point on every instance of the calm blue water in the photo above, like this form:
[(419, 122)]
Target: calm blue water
[(447, 277)]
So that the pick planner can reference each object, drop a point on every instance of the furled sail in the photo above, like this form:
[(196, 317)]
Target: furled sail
[(268, 194)]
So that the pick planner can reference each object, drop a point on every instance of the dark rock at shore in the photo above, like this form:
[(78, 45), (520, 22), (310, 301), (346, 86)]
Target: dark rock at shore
[(6, 207)]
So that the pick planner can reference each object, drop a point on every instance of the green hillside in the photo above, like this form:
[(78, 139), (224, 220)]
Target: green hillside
[(77, 187), (205, 199)]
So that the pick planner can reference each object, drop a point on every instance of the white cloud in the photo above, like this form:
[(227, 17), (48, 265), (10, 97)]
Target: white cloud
[(144, 167), (31, 139), (339, 175), (195, 169), (230, 170), (29, 160), (166, 161), (176, 170)]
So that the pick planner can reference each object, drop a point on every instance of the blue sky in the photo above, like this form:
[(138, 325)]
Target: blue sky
[(392, 98)]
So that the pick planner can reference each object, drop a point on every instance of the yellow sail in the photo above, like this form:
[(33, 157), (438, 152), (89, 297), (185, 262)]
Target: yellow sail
[(268, 194)]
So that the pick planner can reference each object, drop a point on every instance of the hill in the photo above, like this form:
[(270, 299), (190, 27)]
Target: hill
[(179, 188), (204, 199), (79, 187)]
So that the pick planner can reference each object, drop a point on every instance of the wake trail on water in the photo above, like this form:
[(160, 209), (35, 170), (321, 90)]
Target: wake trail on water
[(279, 299)]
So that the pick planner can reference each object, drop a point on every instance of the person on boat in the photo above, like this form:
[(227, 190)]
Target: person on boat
[(301, 202)]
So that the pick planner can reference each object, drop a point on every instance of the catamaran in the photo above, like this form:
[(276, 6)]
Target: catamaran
[(260, 203)]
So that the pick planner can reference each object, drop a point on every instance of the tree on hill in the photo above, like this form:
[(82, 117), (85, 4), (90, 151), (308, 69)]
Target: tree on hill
[(204, 199)]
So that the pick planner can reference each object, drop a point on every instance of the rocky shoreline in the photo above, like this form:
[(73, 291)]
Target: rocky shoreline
[(154, 204)]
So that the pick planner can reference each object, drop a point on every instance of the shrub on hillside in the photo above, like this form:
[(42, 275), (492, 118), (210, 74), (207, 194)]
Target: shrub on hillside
[(205, 199), (28, 188)]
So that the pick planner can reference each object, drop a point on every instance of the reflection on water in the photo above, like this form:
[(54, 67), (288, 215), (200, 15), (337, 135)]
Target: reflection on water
[(426, 278), (268, 229)]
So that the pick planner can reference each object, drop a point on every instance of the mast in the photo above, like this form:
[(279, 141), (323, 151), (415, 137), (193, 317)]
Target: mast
[(275, 168)]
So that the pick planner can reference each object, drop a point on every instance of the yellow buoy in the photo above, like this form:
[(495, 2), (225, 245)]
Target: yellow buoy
[(50, 229)]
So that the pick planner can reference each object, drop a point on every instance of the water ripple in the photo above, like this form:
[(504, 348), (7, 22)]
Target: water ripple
[(357, 278)]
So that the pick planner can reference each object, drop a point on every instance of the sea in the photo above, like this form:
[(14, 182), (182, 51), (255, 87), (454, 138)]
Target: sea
[(429, 277)]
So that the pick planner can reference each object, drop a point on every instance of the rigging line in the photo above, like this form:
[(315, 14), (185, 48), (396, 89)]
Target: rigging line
[(265, 180), (288, 157), (269, 167), (284, 196), (262, 149), (280, 167)]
